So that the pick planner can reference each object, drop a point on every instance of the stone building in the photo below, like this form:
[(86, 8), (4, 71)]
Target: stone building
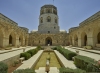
[(87, 33), (48, 30), (11, 34)]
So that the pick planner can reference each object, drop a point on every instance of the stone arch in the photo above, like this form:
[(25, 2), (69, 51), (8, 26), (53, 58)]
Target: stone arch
[(20, 40), (48, 40), (75, 40), (84, 38), (48, 10), (48, 19), (1, 38), (41, 19), (12, 39)]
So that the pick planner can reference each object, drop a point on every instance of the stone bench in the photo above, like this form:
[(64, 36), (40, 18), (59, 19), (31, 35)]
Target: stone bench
[(98, 45), (87, 47), (21, 59)]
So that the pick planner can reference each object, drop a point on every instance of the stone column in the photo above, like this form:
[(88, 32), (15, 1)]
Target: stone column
[(5, 42), (79, 42), (90, 41)]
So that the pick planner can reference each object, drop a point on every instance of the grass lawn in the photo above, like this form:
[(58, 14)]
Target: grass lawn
[(53, 60)]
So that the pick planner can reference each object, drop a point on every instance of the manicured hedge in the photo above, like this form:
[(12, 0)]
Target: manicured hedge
[(30, 53), (86, 63), (69, 70), (3, 67), (26, 55), (66, 53), (24, 71)]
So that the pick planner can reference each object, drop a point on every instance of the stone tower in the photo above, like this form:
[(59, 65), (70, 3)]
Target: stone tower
[(48, 20)]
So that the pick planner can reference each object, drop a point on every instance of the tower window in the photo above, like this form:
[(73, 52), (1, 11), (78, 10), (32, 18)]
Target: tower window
[(55, 20), (41, 20), (54, 27), (48, 31), (48, 19)]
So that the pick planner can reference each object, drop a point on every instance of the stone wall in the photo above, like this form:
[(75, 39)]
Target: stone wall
[(10, 61), (41, 39), (11, 33), (87, 33)]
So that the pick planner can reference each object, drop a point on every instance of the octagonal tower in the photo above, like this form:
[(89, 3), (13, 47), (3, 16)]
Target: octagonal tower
[(48, 20)]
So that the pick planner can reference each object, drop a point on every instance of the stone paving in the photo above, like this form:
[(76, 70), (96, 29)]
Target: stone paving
[(88, 54), (7, 55), (95, 51), (13, 49), (66, 63)]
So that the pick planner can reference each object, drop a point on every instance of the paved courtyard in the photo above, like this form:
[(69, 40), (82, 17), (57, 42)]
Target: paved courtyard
[(5, 54)]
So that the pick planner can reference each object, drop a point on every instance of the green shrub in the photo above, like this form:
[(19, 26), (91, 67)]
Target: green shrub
[(39, 47), (32, 52), (3, 67), (22, 54), (69, 70), (66, 53), (24, 71), (54, 48), (26, 55), (86, 63)]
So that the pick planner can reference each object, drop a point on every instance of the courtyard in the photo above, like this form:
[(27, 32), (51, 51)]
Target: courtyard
[(38, 61)]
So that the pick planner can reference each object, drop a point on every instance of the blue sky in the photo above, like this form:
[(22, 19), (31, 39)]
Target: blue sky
[(70, 12)]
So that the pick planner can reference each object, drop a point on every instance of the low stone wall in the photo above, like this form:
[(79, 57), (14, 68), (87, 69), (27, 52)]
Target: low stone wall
[(97, 45), (61, 64), (11, 60)]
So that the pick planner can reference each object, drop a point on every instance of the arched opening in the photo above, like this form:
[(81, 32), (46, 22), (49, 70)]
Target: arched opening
[(10, 40), (84, 39), (48, 40), (48, 19), (41, 20), (98, 38), (1, 38), (55, 20), (19, 41), (75, 40), (42, 11)]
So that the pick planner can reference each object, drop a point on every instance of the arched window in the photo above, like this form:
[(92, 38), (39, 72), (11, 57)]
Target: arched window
[(42, 11), (48, 19), (54, 11), (41, 20), (55, 20)]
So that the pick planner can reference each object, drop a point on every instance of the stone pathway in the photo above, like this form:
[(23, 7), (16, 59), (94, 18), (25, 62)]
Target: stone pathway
[(13, 49), (66, 63), (92, 51), (7, 55), (84, 53)]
